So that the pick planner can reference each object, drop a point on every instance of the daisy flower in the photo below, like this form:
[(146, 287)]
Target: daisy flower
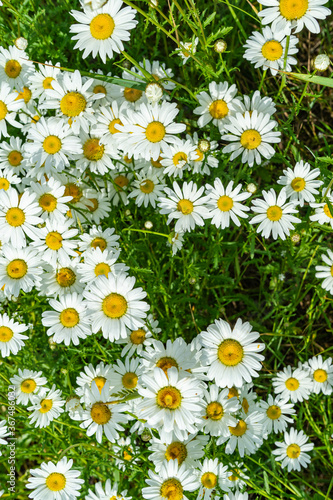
[(232, 355), (55, 481), (251, 136), (204, 160), (141, 338), (294, 384), (8, 180), (176, 158), (263, 104), (224, 205), (246, 436), (186, 205), (218, 105), (15, 67), (125, 376), (211, 474), (124, 450), (98, 374), (274, 214), (97, 154), (176, 353), (275, 413), (11, 338), (321, 373), (107, 119), (158, 70), (236, 496), (218, 412), (147, 131), (326, 272), (62, 279), (170, 482), (300, 184), (12, 156), (247, 397), (27, 383), (19, 270), (175, 241), (99, 238), (237, 477), (98, 263), (147, 189), (69, 322), (293, 450), (103, 30), (102, 87), (3, 432), (132, 95), (118, 189), (50, 197), (115, 305), (8, 109), (46, 406), (286, 15), (41, 80), (108, 491), (98, 204), (187, 49), (268, 50), (323, 213)]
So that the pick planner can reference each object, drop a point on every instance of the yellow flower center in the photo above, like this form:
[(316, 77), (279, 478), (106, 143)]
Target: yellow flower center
[(274, 213), (233, 392), (214, 411), (121, 181), (13, 68), (327, 211), (4, 183), (93, 150), (209, 480), (176, 451), (155, 132), (166, 363), (45, 405), (47, 82), (28, 385), (181, 158), (52, 144), (185, 207), (65, 277), (272, 50), (273, 412), (218, 109), (157, 163), (331, 270), (100, 413), (132, 95), (15, 217), (293, 451), (230, 352), (3, 110), (130, 380), (69, 317), (147, 186), (102, 26), (199, 154), (171, 489), (112, 128), (169, 397), (72, 104), (137, 337), (74, 191), (17, 268), (56, 481), (99, 89), (245, 405), (14, 158), (5, 334), (54, 240), (126, 455), (298, 184), (25, 95), (102, 269), (250, 139), (99, 243), (293, 9), (114, 305), (320, 375), (100, 382), (48, 202), (239, 430), (225, 203), (292, 384), (234, 476)]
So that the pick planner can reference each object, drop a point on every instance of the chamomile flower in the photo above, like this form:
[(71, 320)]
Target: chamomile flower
[(323, 212), (185, 204), (246, 436), (11, 338), (125, 375), (98, 263), (268, 50), (103, 30), (326, 272), (251, 136), (115, 305), (41, 80), (236, 496), (147, 189), (218, 412), (141, 338), (276, 414), (237, 477), (177, 157), (164, 356), (187, 49), (218, 105), (20, 269), (261, 104), (97, 154), (50, 197), (62, 279), (46, 406), (98, 204), (108, 491), (55, 481), (274, 214), (175, 241), (294, 384), (287, 15), (12, 156), (99, 238), (293, 450), (27, 383), (159, 72), (119, 188), (8, 108), (170, 482), (15, 67), (108, 118), (300, 183), (69, 321), (99, 86), (132, 95), (8, 180), (211, 475), (204, 160), (98, 374), (224, 205), (3, 432), (321, 374), (232, 355)]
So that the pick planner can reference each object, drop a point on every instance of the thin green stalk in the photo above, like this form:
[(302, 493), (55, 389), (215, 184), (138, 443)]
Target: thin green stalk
[(145, 231), (283, 80), (234, 15), (263, 76)]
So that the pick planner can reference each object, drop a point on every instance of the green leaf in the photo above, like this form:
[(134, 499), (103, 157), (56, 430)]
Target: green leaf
[(325, 159), (320, 80), (209, 19)]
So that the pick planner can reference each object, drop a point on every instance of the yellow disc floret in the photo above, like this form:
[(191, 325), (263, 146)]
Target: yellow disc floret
[(4, 183), (132, 95), (272, 50), (169, 397), (65, 277), (293, 451), (56, 481), (112, 128), (225, 203), (99, 242), (47, 82), (250, 139), (218, 109), (13, 68), (48, 202), (293, 9), (45, 405), (93, 150), (3, 110), (155, 132), (6, 334), (298, 184), (214, 411), (209, 480), (147, 186), (171, 489), (72, 104), (176, 451), (273, 412), (130, 380), (17, 268), (100, 382), (15, 217), (54, 240), (230, 352), (292, 384), (102, 269), (100, 413), (15, 157), (28, 385), (320, 375), (114, 305), (166, 363), (137, 337), (274, 213), (239, 430), (69, 317), (102, 26), (186, 207), (52, 144)]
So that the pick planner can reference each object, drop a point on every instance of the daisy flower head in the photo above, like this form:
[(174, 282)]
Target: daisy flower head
[(141, 338), (236, 496), (98, 263), (224, 203), (257, 103), (326, 271), (50, 197), (55, 481), (287, 15), (41, 80), (251, 136), (98, 374), (171, 482), (46, 406), (107, 120), (8, 180), (187, 49), (8, 108), (27, 383), (97, 154), (106, 492), (219, 411), (175, 353), (61, 279), (268, 50), (103, 31), (321, 374), (99, 86), (119, 188), (218, 105), (147, 189), (131, 95), (294, 384), (204, 160), (176, 158), (231, 355), (322, 210), (246, 436), (99, 238), (300, 183), (237, 476), (276, 414), (125, 375), (12, 156), (160, 73), (98, 204), (211, 475), (146, 132), (11, 338), (3, 432), (274, 214), (175, 241), (15, 67), (115, 305), (293, 450), (185, 204)]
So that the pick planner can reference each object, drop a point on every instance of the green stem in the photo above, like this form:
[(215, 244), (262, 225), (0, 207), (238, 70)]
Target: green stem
[(262, 79), (145, 231)]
